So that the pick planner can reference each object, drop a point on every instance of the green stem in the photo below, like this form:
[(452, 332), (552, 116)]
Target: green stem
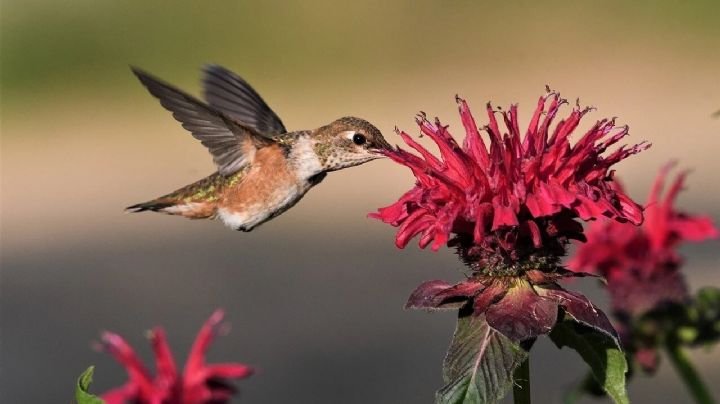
[(692, 379), (521, 383)]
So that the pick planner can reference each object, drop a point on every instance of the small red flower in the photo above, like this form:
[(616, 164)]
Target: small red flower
[(520, 195), (511, 209), (641, 264), (199, 383)]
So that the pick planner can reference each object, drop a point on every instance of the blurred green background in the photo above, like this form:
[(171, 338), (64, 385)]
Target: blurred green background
[(314, 296)]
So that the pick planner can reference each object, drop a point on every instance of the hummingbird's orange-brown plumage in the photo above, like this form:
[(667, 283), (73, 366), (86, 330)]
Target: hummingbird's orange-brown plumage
[(262, 169)]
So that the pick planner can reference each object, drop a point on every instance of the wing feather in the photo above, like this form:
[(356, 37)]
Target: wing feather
[(231, 143), (233, 96)]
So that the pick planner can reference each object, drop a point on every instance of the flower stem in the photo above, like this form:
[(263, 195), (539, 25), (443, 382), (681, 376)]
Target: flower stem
[(689, 375), (521, 383)]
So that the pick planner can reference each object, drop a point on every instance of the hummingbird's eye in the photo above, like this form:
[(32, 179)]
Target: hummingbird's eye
[(358, 139)]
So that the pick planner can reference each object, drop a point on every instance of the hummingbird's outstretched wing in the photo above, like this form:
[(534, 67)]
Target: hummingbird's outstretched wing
[(233, 96), (231, 143)]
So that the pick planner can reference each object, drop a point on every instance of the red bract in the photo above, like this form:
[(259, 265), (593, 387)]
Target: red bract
[(517, 196), (520, 307), (199, 383), (641, 264)]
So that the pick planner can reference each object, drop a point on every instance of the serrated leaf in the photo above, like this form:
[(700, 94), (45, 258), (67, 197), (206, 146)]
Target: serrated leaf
[(82, 395), (600, 351), (479, 364)]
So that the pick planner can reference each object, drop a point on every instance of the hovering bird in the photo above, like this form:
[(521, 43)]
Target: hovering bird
[(262, 169)]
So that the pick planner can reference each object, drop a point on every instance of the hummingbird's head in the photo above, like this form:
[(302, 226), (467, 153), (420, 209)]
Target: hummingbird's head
[(347, 142)]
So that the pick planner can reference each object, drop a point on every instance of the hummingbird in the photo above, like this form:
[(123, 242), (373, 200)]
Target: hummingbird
[(262, 169)]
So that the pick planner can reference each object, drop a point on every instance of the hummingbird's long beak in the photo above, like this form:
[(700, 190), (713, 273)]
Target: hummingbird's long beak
[(381, 147), (380, 152)]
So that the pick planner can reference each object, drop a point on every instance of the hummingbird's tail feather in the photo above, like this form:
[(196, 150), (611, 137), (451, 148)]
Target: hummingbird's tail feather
[(195, 201), (153, 205), (192, 210)]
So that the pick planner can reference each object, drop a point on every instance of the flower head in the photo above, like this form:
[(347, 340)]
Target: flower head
[(199, 383), (517, 199), (641, 263), (511, 208)]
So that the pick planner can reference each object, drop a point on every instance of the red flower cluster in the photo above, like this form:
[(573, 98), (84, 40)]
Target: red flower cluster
[(199, 383), (641, 264), (516, 197), (511, 209)]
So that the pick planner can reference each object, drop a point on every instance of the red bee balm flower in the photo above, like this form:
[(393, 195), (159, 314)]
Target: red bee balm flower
[(510, 210), (641, 264), (522, 191), (199, 383), (649, 296)]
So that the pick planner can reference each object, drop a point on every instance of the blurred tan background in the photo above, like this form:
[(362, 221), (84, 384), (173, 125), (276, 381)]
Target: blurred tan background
[(314, 296)]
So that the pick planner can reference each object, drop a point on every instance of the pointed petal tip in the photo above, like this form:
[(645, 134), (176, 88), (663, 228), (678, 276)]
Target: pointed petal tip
[(217, 316), (229, 371), (111, 338)]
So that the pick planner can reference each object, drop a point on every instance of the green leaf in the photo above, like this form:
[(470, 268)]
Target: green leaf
[(479, 364), (587, 386), (82, 395), (600, 351), (707, 302)]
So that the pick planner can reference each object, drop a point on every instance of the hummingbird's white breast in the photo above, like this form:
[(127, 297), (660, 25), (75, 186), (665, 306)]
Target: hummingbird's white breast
[(304, 160)]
